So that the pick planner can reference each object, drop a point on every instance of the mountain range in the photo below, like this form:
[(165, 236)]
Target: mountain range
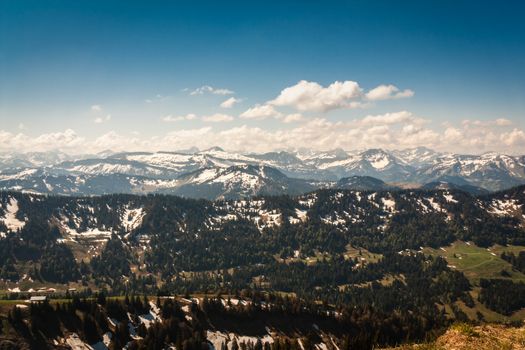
[(215, 173)]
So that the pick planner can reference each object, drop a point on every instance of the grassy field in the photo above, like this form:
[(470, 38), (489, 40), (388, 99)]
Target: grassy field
[(360, 254), (461, 336), (476, 262)]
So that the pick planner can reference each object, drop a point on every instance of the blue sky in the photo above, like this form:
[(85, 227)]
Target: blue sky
[(88, 72)]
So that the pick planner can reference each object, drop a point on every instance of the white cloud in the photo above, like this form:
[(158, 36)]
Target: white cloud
[(390, 131), (21, 126), (260, 112), (229, 103), (292, 118), (115, 141), (322, 134), (97, 109), (67, 140), (214, 118), (218, 118), (157, 98), (482, 123), (171, 118), (452, 134), (391, 118), (209, 89), (514, 138), (100, 120), (388, 92), (503, 122), (311, 96)]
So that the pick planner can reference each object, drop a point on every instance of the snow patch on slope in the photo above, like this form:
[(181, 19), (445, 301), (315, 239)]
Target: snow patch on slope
[(379, 162), (91, 232), (10, 220), (389, 204), (504, 207), (435, 205), (449, 198), (132, 218), (217, 338)]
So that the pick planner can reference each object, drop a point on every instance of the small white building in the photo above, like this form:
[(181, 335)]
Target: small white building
[(38, 298)]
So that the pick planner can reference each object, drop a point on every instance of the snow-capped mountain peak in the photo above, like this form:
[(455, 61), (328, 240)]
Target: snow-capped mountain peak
[(377, 158), (163, 171)]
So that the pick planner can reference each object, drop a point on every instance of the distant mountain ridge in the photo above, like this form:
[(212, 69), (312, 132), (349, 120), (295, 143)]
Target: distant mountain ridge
[(239, 181), (303, 170), (363, 183)]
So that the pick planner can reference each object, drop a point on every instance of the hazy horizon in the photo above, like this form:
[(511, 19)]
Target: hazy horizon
[(194, 149)]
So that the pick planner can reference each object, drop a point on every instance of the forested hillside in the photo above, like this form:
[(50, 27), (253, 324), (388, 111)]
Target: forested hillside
[(167, 234), (361, 257)]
